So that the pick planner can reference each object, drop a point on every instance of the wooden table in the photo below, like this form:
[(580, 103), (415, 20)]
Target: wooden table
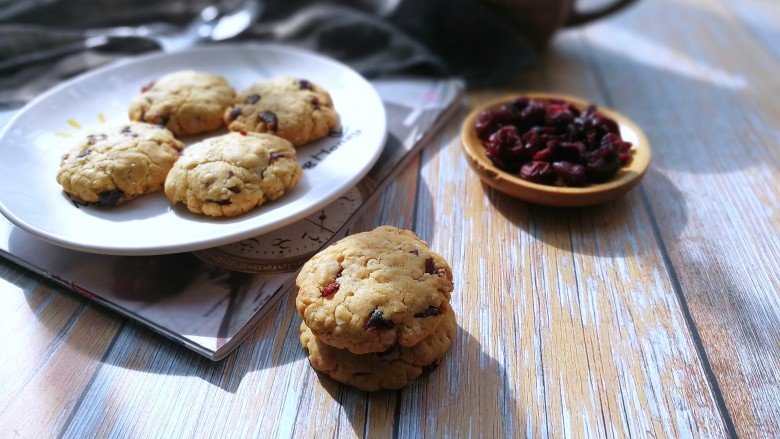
[(655, 315)]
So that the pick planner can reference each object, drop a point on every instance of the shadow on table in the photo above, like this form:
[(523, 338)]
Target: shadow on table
[(467, 389), (615, 228)]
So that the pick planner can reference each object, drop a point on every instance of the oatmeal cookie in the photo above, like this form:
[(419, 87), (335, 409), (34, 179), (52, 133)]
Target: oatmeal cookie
[(295, 109), (372, 290), (392, 369), (186, 102), (112, 166), (233, 173)]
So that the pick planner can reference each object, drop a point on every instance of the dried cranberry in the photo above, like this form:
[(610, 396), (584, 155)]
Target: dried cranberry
[(489, 121), (549, 153), (315, 103), (305, 85), (524, 134), (235, 189), (146, 87), (220, 202), (538, 172), (519, 104), (603, 163), (534, 140), (377, 321), (559, 116), (616, 142), (506, 137), (271, 122), (606, 123), (234, 113), (109, 198), (430, 266), (332, 288), (570, 174), (432, 311), (591, 127), (572, 152), (505, 148), (252, 99), (534, 113)]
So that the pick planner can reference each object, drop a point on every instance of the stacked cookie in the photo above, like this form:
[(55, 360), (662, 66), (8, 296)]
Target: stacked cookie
[(375, 309), (223, 175)]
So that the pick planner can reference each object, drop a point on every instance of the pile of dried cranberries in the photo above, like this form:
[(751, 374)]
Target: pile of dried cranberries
[(552, 142)]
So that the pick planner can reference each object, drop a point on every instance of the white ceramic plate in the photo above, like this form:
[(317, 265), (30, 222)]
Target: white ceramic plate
[(33, 142)]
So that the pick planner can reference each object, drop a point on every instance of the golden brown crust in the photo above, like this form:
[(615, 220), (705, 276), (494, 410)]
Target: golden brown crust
[(232, 174), (392, 369), (112, 166), (294, 109), (186, 102)]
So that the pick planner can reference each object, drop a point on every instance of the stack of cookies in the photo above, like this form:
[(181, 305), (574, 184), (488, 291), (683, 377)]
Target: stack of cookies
[(375, 308)]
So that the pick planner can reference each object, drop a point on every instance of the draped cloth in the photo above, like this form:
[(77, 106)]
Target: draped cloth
[(452, 38)]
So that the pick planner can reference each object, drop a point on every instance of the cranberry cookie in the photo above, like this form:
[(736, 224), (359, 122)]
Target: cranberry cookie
[(112, 166), (295, 109), (391, 369), (373, 290), (233, 173), (186, 102)]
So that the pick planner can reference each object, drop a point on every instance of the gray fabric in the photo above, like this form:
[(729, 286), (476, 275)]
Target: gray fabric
[(376, 37)]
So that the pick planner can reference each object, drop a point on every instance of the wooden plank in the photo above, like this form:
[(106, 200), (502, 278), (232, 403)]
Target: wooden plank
[(57, 341), (706, 95), (567, 333), (762, 18), (572, 323)]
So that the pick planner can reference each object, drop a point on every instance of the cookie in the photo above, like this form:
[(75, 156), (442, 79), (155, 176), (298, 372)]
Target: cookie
[(372, 290), (112, 166), (233, 173), (295, 109), (186, 102), (392, 369)]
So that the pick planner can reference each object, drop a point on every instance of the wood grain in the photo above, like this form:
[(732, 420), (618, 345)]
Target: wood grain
[(655, 315), (714, 194), (53, 343), (578, 324)]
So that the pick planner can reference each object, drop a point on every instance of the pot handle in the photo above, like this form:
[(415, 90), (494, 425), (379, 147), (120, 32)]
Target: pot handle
[(577, 18)]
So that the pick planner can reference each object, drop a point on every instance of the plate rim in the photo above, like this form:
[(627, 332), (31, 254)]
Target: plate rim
[(220, 239), (556, 196)]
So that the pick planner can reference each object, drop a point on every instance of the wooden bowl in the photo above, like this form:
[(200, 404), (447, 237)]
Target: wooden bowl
[(626, 178)]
